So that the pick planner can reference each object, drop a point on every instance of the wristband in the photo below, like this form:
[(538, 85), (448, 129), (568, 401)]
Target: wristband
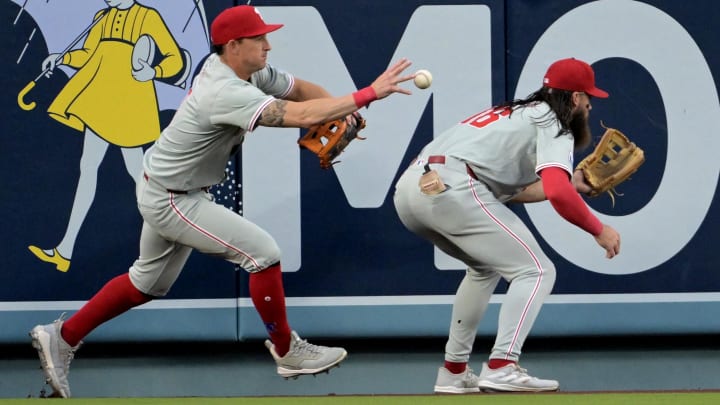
[(364, 97)]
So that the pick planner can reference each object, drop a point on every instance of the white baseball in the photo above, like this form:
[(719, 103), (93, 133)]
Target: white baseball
[(423, 79)]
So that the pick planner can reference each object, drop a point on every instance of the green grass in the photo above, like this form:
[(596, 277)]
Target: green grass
[(661, 398)]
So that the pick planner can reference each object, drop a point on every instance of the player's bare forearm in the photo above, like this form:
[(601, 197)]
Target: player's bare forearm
[(304, 90), (304, 114), (532, 193)]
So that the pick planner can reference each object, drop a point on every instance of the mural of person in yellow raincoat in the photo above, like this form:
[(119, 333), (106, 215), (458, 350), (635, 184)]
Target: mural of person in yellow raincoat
[(110, 101)]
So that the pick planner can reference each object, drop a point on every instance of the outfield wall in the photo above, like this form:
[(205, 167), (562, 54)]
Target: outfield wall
[(351, 269)]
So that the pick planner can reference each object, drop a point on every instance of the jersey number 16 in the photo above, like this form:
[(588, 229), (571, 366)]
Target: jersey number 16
[(486, 117)]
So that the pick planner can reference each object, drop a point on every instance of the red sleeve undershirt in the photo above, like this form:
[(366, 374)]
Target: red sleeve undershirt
[(567, 202)]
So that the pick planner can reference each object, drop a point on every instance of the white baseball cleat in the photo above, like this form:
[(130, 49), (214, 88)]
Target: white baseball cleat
[(305, 358), (513, 378), (55, 356), (462, 383)]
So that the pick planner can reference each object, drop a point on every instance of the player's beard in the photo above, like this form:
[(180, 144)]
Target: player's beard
[(580, 128)]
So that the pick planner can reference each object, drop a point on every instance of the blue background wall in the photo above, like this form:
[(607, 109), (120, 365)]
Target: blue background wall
[(353, 269)]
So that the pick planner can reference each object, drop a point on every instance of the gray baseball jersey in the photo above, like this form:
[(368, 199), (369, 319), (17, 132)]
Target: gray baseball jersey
[(193, 150), (191, 155), (484, 161), (506, 151)]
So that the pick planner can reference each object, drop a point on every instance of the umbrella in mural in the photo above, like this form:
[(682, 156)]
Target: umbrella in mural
[(126, 61), (185, 19)]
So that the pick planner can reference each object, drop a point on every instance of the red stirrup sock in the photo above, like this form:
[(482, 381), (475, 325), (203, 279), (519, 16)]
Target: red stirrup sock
[(116, 297), (455, 368), (498, 363), (268, 296)]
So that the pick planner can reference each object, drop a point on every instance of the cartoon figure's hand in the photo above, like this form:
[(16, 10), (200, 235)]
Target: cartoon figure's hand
[(49, 64), (145, 73)]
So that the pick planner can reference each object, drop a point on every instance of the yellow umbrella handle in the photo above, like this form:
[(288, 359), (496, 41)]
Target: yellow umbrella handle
[(29, 106), (21, 95)]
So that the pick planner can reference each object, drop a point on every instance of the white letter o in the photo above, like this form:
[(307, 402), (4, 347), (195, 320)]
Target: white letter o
[(648, 36)]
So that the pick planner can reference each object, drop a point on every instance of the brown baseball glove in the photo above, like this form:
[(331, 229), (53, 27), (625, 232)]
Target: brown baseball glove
[(612, 162), (330, 139)]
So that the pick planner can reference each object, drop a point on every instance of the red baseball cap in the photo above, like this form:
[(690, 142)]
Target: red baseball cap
[(573, 75), (239, 22)]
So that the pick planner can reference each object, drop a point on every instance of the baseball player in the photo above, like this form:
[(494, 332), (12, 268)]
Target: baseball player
[(454, 195), (235, 92)]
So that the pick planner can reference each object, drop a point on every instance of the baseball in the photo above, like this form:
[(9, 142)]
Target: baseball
[(423, 79)]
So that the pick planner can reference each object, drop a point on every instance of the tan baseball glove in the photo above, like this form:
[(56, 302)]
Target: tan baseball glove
[(330, 139), (612, 162)]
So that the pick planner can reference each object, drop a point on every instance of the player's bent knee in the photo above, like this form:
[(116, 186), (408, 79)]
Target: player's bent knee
[(260, 259), (543, 275), (547, 276), (152, 284)]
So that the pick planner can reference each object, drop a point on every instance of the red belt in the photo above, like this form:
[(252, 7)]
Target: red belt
[(440, 159), (175, 191)]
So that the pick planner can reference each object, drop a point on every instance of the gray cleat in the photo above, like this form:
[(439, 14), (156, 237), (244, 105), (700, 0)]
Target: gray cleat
[(55, 356), (305, 358), (449, 383), (512, 378)]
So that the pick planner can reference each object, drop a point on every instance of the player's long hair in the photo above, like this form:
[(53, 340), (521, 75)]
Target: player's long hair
[(560, 102)]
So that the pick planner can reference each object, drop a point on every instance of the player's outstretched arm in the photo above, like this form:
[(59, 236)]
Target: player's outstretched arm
[(304, 114)]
